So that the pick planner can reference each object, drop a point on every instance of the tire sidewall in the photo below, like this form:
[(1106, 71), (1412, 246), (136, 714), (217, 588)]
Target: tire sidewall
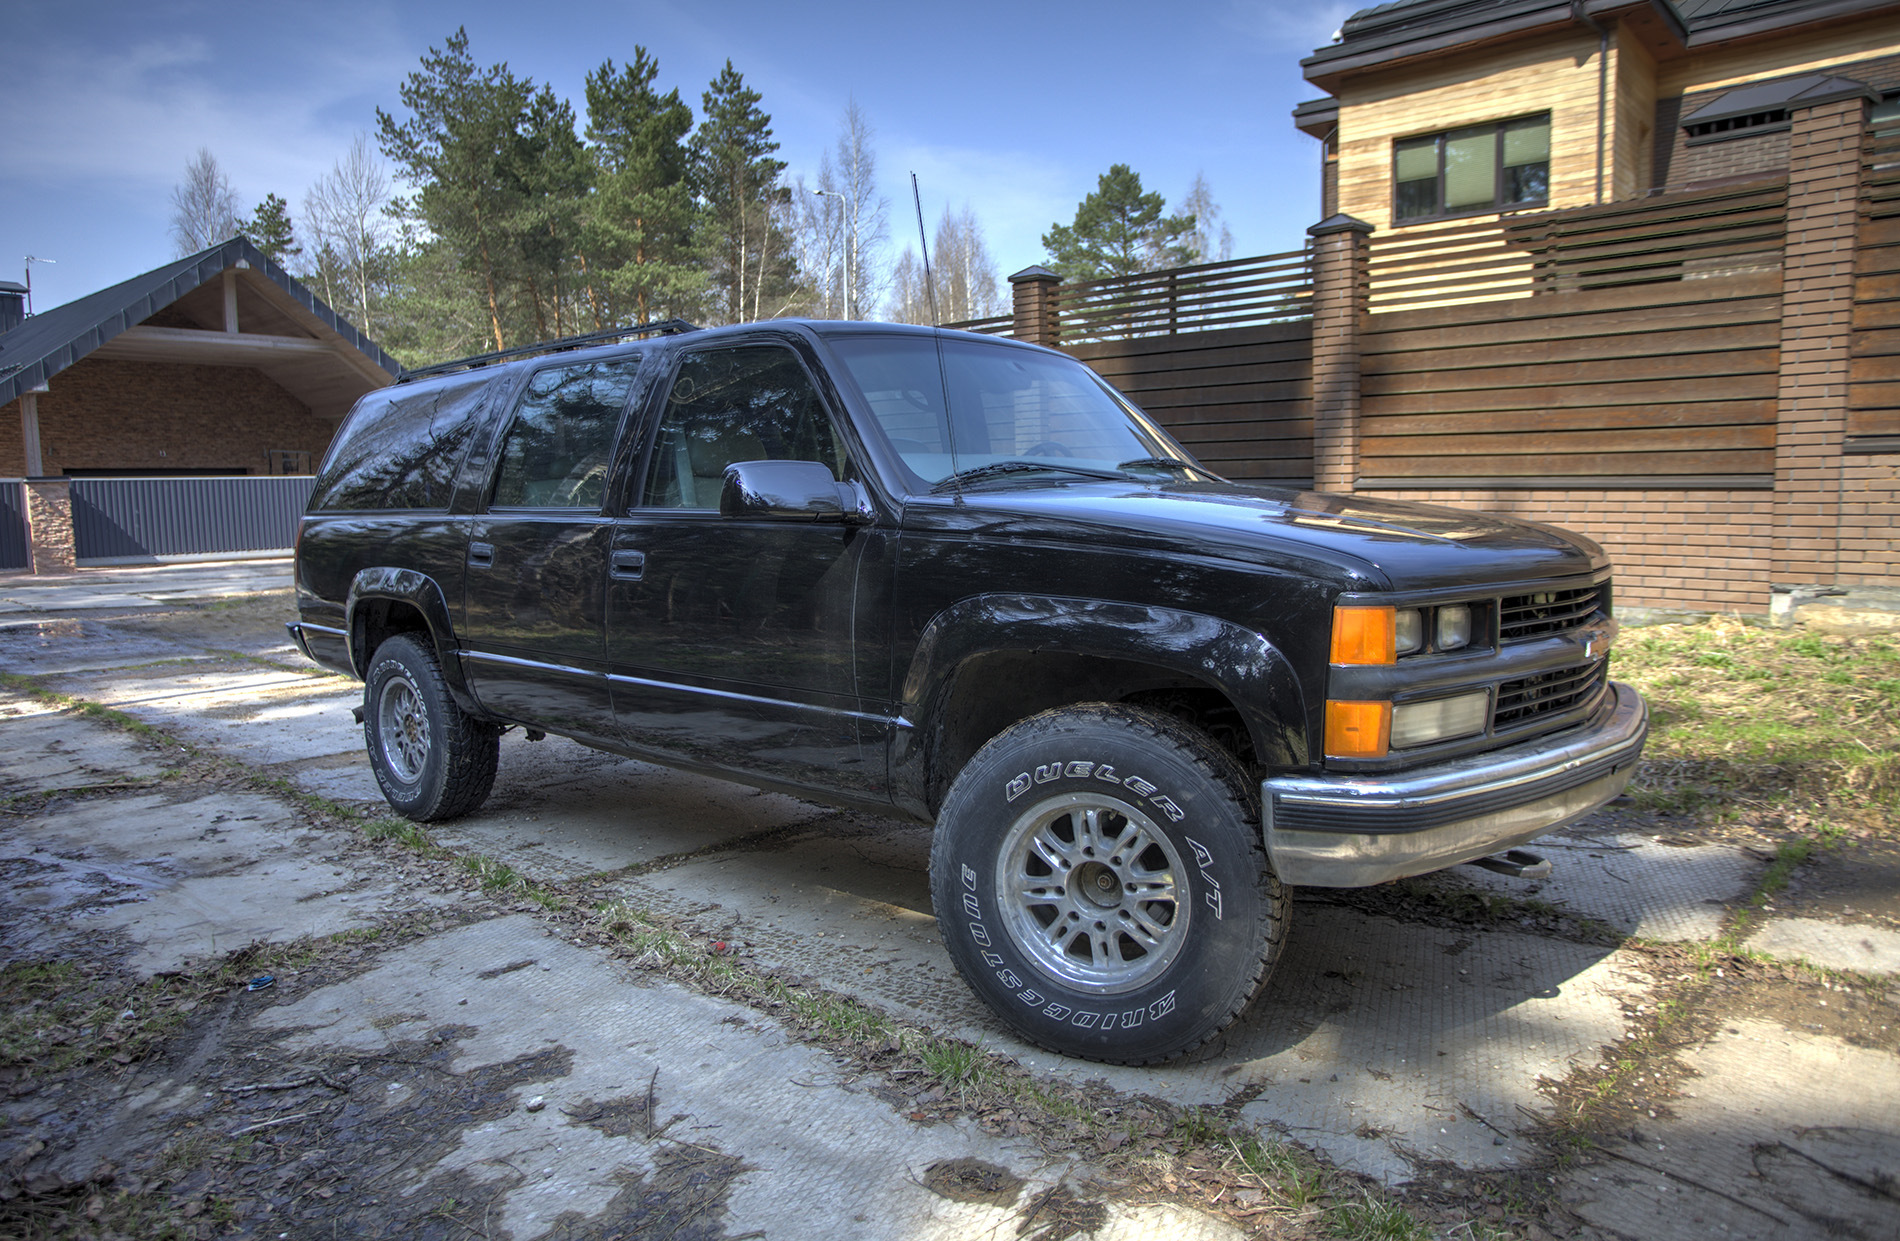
[(401, 658), (1097, 754)]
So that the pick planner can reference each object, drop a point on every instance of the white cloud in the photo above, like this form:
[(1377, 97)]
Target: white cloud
[(1287, 24), (134, 115)]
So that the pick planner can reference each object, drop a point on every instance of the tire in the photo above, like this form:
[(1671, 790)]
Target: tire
[(1162, 947), (433, 760)]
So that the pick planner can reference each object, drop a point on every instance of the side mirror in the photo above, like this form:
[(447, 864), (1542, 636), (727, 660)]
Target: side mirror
[(790, 491)]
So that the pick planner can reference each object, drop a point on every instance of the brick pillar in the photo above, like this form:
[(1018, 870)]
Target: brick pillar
[(49, 524), (1340, 248), (1033, 294), (1817, 306)]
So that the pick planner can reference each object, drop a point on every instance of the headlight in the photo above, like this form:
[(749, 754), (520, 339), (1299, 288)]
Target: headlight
[(1454, 627), (1408, 630), (1421, 723)]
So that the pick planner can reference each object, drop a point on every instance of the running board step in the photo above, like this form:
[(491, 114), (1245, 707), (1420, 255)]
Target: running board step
[(1519, 862)]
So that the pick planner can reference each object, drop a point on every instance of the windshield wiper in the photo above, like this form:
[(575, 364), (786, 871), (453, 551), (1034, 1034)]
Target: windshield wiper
[(1156, 463), (995, 468)]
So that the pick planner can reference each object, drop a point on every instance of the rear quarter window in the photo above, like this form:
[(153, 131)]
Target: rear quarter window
[(401, 446)]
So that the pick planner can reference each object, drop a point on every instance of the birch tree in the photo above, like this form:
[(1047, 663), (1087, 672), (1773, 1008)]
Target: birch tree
[(204, 207), (348, 228), (1210, 239)]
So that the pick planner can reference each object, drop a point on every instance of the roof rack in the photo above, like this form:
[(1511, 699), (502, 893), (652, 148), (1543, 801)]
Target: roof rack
[(608, 336)]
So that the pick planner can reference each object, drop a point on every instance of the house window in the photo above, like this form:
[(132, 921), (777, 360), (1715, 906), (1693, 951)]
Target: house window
[(1471, 171)]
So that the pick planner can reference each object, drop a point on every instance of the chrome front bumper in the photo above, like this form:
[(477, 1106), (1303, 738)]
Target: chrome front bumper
[(1353, 831)]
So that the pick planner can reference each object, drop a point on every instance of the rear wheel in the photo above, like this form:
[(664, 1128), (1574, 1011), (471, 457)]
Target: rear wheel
[(432, 759), (1098, 875)]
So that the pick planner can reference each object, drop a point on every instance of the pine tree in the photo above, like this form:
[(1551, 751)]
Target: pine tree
[(459, 150), (738, 181), (552, 174), (1118, 231), (269, 230), (637, 235)]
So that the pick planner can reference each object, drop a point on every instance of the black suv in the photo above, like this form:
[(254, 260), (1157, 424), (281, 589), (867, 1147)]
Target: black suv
[(962, 579)]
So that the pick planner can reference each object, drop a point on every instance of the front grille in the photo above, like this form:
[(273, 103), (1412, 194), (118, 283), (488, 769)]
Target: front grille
[(1547, 693), (1547, 611)]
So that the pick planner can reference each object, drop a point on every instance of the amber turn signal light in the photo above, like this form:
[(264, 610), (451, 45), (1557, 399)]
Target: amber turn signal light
[(1358, 729), (1365, 635)]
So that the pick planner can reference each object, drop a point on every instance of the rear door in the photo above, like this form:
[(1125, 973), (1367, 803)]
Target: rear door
[(537, 553)]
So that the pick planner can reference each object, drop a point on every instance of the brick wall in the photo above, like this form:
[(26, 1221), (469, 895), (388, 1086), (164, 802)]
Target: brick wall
[(1817, 308), (1705, 551), (102, 414), (1731, 159), (1678, 165), (1870, 521)]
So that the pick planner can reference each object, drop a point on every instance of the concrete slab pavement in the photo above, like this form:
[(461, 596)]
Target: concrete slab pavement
[(822, 1156), (1756, 1154)]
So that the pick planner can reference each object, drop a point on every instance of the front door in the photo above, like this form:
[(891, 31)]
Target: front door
[(729, 640), (537, 558)]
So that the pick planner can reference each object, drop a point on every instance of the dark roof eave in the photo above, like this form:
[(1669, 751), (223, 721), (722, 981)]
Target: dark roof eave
[(1397, 44), (1317, 118), (32, 353), (1328, 67), (1715, 32)]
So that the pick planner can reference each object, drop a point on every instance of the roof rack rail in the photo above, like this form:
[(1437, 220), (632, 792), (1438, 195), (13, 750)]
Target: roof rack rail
[(606, 337)]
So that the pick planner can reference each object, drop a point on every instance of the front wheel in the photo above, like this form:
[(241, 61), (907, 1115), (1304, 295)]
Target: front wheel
[(432, 759), (1099, 879)]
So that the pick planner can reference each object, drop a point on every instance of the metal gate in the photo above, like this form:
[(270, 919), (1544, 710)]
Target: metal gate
[(13, 550), (133, 520)]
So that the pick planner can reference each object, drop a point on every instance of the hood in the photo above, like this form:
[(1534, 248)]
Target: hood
[(1378, 544)]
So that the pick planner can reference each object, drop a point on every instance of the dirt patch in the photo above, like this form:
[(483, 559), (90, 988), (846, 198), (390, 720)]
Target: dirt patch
[(972, 1180), (249, 624), (1858, 884), (1057, 1214)]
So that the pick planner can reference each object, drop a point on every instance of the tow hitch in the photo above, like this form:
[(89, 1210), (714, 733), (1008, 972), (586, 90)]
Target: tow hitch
[(1519, 862)]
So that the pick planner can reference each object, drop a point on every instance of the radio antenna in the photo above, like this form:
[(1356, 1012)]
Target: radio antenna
[(943, 377)]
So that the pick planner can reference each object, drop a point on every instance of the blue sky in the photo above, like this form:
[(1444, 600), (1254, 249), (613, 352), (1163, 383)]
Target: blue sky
[(1012, 108)]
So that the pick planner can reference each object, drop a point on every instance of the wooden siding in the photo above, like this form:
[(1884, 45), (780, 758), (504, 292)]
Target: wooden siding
[(1669, 381), (1788, 53), (1241, 399), (1630, 171), (1558, 74), (1873, 391)]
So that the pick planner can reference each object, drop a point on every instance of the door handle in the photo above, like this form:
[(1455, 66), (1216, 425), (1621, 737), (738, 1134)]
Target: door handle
[(481, 555), (628, 566)]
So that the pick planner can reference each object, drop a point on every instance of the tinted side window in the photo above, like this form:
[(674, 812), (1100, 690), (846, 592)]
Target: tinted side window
[(561, 438), (401, 447), (726, 405)]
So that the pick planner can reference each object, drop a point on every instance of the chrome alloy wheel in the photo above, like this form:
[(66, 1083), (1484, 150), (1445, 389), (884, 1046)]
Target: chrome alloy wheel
[(1093, 892), (402, 725)]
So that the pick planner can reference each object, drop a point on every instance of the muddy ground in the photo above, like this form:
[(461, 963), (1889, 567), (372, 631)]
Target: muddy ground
[(624, 1002)]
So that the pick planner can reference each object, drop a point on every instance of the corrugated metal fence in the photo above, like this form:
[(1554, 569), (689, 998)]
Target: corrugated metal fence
[(138, 519), (13, 554)]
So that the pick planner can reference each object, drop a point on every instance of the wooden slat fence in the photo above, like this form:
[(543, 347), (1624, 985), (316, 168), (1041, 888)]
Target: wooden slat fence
[(995, 325), (1240, 398), (1273, 288), (1660, 385), (1873, 393), (1700, 234)]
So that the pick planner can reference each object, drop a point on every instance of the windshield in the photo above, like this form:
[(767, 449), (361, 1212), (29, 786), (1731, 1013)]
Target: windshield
[(1011, 412)]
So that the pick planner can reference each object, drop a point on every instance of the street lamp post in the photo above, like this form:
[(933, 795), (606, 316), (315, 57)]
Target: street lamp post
[(844, 227)]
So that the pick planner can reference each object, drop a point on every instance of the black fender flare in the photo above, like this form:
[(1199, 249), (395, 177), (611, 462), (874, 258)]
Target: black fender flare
[(424, 594), (1240, 663)]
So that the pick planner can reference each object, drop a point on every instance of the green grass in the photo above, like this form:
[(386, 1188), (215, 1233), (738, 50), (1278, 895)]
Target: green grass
[(1743, 717)]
